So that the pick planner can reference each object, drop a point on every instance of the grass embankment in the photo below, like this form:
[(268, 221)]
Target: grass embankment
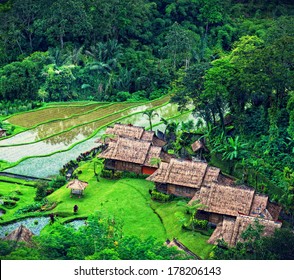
[(19, 191)]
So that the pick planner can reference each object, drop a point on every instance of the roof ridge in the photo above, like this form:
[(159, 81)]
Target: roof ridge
[(169, 170)]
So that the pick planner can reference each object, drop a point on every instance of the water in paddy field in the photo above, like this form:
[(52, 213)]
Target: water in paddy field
[(50, 165), (30, 119), (45, 130), (35, 225)]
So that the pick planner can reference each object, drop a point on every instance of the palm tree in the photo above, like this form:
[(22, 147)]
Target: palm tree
[(150, 114), (191, 209), (155, 161), (106, 136)]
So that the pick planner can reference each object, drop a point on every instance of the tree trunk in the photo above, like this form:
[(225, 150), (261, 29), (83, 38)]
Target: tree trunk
[(61, 41)]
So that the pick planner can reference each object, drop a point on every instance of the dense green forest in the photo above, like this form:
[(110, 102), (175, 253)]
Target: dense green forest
[(233, 60)]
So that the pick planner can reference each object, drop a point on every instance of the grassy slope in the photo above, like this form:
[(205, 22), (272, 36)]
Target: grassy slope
[(128, 199), (25, 198)]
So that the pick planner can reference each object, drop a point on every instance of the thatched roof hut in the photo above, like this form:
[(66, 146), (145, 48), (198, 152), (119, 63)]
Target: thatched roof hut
[(133, 132), (274, 210), (21, 234), (2, 132), (233, 200), (77, 186), (180, 172), (198, 145), (231, 228), (226, 200), (131, 150)]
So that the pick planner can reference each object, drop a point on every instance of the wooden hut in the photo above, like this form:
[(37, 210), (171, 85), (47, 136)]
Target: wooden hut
[(224, 200), (232, 201), (3, 132), (182, 177), (127, 154), (133, 132), (77, 187), (230, 229)]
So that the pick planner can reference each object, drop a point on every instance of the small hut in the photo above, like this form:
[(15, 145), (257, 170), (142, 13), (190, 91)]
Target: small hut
[(77, 187), (131, 155), (182, 177), (21, 234), (131, 132), (2, 132), (230, 229)]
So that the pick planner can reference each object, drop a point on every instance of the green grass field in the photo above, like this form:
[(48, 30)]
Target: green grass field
[(17, 189), (127, 199)]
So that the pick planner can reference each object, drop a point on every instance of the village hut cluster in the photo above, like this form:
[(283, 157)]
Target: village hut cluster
[(230, 207)]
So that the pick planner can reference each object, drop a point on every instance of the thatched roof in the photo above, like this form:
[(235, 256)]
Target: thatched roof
[(211, 175), (125, 130), (21, 234), (226, 200), (133, 132), (130, 150), (147, 135), (154, 152), (197, 145), (231, 229), (259, 205), (180, 172), (274, 210), (77, 185)]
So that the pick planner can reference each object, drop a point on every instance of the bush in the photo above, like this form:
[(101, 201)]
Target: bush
[(158, 196), (202, 224), (118, 174), (129, 174), (58, 182), (41, 190), (30, 208), (106, 174)]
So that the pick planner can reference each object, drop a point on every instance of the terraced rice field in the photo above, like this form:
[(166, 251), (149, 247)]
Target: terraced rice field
[(50, 128), (30, 119), (45, 158)]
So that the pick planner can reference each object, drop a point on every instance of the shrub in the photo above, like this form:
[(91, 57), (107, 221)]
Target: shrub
[(30, 208), (117, 175), (58, 182), (106, 174), (41, 190), (158, 196), (202, 224)]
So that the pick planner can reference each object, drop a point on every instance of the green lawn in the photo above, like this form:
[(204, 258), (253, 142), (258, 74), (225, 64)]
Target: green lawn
[(127, 199), (195, 241), (25, 194)]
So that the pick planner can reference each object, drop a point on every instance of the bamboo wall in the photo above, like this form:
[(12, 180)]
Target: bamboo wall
[(215, 218), (180, 190), (128, 166)]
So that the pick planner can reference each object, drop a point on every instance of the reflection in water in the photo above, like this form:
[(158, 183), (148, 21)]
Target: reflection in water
[(35, 225), (50, 165), (56, 143), (47, 129)]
